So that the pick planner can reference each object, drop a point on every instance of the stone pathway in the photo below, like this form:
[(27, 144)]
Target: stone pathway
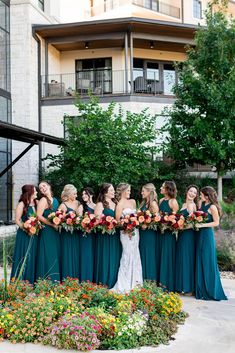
[(210, 328)]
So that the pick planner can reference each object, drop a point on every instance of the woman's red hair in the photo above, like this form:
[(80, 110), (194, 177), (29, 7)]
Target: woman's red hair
[(27, 192)]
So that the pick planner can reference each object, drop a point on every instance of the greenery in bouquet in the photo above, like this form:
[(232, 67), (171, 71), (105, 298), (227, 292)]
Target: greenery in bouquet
[(197, 217), (148, 220), (172, 221), (32, 225)]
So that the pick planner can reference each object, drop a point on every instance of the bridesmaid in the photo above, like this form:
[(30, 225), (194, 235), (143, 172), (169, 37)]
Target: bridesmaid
[(149, 239), (86, 268), (49, 248), (185, 246), (207, 278), (169, 205), (69, 241), (25, 245), (107, 247)]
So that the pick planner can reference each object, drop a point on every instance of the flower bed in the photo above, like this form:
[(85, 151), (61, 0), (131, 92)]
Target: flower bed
[(87, 316)]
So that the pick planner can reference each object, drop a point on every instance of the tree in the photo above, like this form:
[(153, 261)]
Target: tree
[(105, 146), (201, 127)]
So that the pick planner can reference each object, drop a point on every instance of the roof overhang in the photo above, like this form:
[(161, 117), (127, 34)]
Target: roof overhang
[(111, 32), (18, 133)]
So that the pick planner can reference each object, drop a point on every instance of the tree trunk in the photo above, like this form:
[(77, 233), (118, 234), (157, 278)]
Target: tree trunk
[(220, 186)]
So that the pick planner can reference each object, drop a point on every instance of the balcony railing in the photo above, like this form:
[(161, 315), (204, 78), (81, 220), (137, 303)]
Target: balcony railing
[(154, 5), (159, 6), (108, 82)]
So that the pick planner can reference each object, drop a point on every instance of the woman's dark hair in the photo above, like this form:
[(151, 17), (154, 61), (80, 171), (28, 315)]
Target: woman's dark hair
[(90, 192), (103, 191), (210, 192), (46, 197), (25, 197), (170, 188), (197, 198)]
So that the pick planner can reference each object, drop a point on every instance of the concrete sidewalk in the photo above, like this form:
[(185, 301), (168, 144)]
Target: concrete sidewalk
[(210, 328)]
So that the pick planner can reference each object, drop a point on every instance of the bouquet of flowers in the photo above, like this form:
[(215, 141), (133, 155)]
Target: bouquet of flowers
[(88, 223), (196, 217), (57, 218), (107, 224), (69, 221), (172, 221), (128, 223), (148, 220), (32, 225)]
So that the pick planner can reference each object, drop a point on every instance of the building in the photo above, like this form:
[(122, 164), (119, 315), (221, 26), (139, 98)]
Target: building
[(5, 108), (121, 50)]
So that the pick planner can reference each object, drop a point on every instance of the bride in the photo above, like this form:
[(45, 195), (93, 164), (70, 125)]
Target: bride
[(130, 270)]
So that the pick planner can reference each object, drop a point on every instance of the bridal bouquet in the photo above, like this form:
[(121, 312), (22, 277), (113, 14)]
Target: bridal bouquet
[(129, 222), (88, 223), (57, 218), (107, 224), (32, 225), (69, 221), (196, 217)]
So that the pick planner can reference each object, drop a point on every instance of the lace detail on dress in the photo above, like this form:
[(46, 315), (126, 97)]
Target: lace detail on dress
[(130, 270)]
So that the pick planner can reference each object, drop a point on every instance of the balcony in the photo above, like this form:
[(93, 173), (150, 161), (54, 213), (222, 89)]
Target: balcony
[(153, 5), (110, 82)]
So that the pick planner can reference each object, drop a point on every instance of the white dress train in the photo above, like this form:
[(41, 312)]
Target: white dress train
[(130, 270)]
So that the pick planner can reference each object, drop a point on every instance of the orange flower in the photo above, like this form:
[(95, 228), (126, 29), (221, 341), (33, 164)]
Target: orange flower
[(32, 230), (199, 219), (181, 223), (157, 218), (56, 221), (141, 219), (109, 219)]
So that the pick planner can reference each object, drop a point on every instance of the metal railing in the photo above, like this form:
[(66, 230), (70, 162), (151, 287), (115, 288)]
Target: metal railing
[(105, 82)]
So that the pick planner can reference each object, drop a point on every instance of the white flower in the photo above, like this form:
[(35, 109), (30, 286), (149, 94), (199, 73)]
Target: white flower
[(119, 333)]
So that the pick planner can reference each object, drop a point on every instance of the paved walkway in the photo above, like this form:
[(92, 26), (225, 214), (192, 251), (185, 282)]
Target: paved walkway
[(210, 328)]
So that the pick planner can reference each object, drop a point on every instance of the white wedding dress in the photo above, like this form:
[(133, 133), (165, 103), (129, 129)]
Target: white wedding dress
[(130, 270)]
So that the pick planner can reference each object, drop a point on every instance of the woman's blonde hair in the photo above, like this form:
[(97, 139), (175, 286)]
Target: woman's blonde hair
[(120, 189), (68, 189), (152, 196)]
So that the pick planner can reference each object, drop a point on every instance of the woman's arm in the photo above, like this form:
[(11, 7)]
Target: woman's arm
[(174, 205), (42, 205), (80, 210), (118, 211), (154, 207), (19, 214), (62, 207), (99, 208), (215, 216)]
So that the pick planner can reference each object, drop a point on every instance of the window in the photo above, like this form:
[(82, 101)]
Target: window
[(41, 4), (197, 9), (94, 75)]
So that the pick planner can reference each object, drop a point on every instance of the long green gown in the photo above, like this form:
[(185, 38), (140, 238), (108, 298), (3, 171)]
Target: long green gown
[(86, 257), (69, 252), (167, 251), (25, 244), (107, 255), (149, 252), (49, 249), (185, 260), (207, 278)]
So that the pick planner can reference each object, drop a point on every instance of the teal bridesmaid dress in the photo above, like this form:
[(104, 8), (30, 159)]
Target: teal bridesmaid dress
[(207, 278), (185, 260), (86, 257), (25, 244), (69, 252), (49, 249), (107, 255), (167, 251), (149, 252)]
